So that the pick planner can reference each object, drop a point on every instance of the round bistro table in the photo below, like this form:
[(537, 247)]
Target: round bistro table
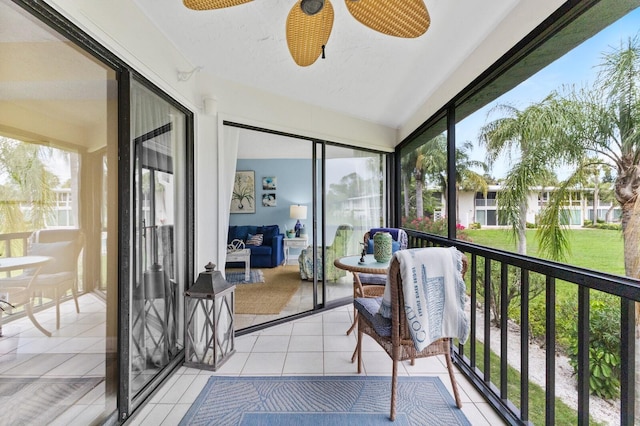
[(19, 291)]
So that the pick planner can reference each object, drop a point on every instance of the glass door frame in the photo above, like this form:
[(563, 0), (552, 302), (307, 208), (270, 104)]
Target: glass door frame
[(319, 209), (127, 403)]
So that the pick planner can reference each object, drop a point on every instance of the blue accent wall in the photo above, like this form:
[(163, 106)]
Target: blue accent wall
[(293, 186)]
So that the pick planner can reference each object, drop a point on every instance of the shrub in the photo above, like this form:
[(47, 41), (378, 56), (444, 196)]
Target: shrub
[(475, 225), (430, 226), (566, 309), (602, 225), (611, 226), (604, 358), (537, 318), (530, 225), (514, 290)]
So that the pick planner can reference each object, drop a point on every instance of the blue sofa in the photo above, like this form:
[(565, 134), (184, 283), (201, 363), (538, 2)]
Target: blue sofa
[(269, 254)]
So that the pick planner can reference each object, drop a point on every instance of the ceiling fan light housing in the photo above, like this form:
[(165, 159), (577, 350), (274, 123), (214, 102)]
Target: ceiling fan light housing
[(311, 7)]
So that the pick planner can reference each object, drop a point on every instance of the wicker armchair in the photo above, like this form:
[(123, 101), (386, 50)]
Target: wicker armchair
[(394, 335)]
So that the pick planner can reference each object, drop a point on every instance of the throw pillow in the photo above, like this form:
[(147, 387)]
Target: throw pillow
[(268, 233), (254, 240), (395, 246), (392, 231), (243, 231), (63, 254)]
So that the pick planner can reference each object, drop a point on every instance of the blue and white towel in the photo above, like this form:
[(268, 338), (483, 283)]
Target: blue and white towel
[(434, 294)]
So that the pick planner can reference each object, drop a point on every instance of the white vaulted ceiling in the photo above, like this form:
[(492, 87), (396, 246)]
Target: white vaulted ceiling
[(372, 76), (388, 81)]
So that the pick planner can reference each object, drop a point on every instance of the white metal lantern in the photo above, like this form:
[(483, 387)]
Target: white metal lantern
[(209, 326)]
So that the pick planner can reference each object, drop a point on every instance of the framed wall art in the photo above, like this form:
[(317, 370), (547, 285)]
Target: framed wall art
[(269, 183), (269, 199), (243, 198)]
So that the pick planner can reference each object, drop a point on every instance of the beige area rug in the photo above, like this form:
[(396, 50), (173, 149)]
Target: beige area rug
[(270, 297)]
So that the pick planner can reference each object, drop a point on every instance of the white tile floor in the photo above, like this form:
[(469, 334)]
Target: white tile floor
[(76, 349), (315, 345)]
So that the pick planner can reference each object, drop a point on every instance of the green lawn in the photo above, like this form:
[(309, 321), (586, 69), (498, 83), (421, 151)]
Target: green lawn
[(598, 249)]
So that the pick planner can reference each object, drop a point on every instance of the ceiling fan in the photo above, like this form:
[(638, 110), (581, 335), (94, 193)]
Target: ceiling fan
[(310, 22)]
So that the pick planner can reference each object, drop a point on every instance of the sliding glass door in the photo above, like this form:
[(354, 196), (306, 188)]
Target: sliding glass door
[(158, 141), (353, 202), (58, 198), (322, 198)]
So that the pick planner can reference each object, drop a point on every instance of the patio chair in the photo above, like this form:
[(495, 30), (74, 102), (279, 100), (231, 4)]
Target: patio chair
[(338, 248), (400, 242), (394, 334), (61, 274), (16, 292)]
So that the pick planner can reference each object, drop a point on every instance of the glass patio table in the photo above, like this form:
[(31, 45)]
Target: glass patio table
[(18, 291)]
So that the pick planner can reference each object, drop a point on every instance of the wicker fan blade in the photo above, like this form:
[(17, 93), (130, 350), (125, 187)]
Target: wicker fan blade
[(400, 18), (212, 4), (306, 35)]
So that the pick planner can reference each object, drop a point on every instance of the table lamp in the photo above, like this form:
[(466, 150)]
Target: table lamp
[(298, 212)]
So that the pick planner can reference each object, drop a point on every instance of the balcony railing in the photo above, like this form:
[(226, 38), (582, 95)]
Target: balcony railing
[(477, 364), (14, 244), (481, 202)]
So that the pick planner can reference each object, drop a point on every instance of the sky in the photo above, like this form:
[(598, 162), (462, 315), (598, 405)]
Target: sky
[(578, 67)]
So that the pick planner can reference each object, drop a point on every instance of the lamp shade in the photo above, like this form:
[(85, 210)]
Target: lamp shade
[(298, 212)]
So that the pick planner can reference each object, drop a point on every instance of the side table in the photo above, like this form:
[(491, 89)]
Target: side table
[(296, 242), (241, 255)]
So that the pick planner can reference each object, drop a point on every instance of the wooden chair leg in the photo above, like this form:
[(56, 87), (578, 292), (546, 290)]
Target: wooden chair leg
[(454, 385), (394, 387), (359, 350), (74, 293), (57, 295)]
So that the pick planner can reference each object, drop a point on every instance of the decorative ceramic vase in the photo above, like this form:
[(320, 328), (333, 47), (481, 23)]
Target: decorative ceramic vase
[(382, 247)]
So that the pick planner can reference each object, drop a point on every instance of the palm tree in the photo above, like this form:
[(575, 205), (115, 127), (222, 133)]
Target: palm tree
[(466, 178), (525, 133), (27, 198), (431, 165), (430, 161), (611, 130), (423, 161), (584, 128), (407, 163), (603, 125)]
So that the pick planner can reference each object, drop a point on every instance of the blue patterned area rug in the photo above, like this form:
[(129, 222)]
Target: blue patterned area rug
[(322, 400), (235, 277)]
